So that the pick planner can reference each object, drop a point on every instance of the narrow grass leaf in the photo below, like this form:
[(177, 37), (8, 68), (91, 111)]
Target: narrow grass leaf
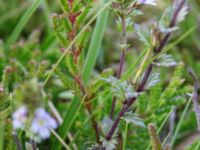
[(22, 22), (94, 47), (181, 121), (69, 118)]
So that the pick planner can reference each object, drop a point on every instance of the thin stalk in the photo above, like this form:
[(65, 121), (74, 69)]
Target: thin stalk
[(122, 60), (60, 120), (34, 145), (123, 51), (125, 136), (88, 106), (17, 142), (198, 145), (128, 103), (60, 139), (180, 122), (2, 130)]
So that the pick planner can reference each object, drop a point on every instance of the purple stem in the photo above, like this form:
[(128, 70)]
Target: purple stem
[(121, 63), (17, 142), (34, 145), (140, 88), (195, 97)]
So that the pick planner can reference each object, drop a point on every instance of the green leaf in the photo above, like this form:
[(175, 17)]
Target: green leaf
[(109, 145), (153, 80), (165, 61), (185, 111), (83, 15), (73, 68), (94, 47), (134, 119), (106, 125), (69, 119), (144, 34), (22, 22), (64, 5)]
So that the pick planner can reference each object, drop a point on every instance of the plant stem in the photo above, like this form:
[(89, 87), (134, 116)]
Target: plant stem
[(122, 60), (123, 51), (34, 146), (125, 136), (60, 139), (88, 106), (94, 122), (17, 141), (128, 103)]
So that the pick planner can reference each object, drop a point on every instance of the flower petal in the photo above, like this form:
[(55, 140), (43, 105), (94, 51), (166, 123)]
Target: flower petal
[(44, 133)]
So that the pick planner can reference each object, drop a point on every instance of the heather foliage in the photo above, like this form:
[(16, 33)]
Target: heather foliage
[(99, 75)]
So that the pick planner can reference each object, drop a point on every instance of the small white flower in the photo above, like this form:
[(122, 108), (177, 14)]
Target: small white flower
[(147, 2), (42, 122), (19, 117)]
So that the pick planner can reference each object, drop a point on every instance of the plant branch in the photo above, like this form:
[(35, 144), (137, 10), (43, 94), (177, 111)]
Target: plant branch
[(122, 60), (147, 73), (88, 106)]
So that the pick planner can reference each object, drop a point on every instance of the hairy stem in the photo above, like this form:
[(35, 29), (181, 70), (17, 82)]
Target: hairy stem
[(147, 73), (121, 63), (88, 106)]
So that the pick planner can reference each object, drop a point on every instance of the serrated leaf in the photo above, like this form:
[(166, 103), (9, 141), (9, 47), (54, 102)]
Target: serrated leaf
[(167, 30), (144, 34), (165, 60), (97, 83), (154, 78), (118, 88), (106, 125), (130, 92), (182, 14), (109, 145), (133, 118)]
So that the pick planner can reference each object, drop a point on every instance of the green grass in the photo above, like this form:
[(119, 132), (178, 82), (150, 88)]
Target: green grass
[(184, 113), (22, 22)]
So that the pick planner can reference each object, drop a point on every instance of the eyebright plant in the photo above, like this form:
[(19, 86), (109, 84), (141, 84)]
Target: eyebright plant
[(133, 97)]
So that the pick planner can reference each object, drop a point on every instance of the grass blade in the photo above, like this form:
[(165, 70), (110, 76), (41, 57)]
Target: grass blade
[(2, 133), (125, 136), (94, 47), (180, 122), (60, 139), (22, 22), (68, 121), (13, 13)]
